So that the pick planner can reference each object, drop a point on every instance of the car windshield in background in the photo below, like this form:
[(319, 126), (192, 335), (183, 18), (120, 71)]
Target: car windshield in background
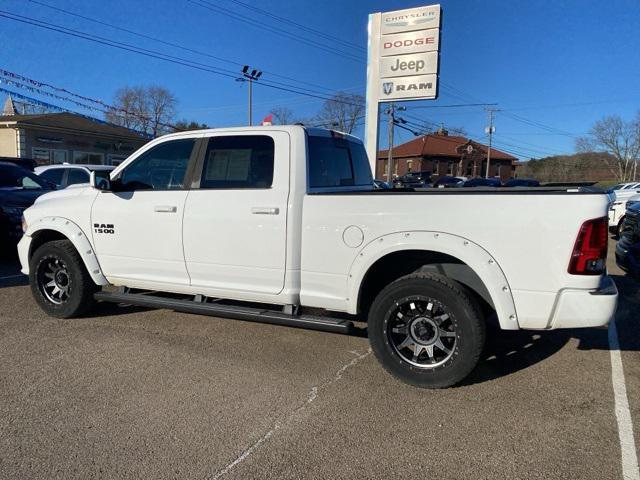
[(13, 177)]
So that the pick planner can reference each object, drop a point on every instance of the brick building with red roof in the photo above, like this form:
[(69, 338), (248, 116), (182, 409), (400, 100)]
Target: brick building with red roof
[(443, 154)]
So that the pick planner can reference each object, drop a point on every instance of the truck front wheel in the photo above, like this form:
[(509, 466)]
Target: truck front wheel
[(426, 330), (59, 280)]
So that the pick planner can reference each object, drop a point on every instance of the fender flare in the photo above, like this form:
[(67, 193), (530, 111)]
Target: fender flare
[(79, 240), (476, 257)]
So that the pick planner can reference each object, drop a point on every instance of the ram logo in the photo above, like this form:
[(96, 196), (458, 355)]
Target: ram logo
[(104, 228), (387, 88)]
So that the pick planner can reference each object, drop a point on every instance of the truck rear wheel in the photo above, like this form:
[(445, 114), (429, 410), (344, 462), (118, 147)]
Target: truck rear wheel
[(59, 280), (426, 330)]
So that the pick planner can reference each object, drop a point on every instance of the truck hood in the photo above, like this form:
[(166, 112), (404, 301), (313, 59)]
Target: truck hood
[(64, 193)]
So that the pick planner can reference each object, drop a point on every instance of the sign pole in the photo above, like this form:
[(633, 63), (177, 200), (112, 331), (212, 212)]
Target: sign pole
[(372, 113)]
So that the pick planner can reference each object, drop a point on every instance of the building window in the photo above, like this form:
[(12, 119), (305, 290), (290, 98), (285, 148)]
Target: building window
[(88, 158), (449, 168), (46, 156)]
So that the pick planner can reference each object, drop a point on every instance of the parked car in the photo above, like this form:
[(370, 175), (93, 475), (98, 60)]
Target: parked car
[(482, 182), (66, 174), (285, 217), (19, 188), (448, 181), (618, 207), (522, 182), (413, 180), (628, 248), (624, 186), (381, 185), (27, 163)]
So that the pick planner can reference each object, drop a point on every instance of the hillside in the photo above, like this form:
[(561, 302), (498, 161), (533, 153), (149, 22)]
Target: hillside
[(567, 168)]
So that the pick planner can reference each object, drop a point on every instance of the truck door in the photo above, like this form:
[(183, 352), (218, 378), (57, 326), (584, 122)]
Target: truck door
[(235, 220), (137, 228)]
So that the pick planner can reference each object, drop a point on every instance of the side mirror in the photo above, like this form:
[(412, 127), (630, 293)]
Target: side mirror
[(100, 182)]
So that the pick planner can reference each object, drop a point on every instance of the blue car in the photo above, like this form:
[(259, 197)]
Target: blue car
[(628, 247), (483, 182)]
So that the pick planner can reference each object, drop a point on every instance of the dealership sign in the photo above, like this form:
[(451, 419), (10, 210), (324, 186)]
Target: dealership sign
[(403, 62), (413, 42)]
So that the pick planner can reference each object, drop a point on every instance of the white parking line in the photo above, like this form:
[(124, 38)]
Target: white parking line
[(12, 276), (623, 415)]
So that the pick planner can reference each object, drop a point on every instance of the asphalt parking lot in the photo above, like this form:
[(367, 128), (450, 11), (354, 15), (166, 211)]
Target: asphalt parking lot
[(138, 393)]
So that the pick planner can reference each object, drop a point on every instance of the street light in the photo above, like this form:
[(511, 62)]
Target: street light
[(250, 75)]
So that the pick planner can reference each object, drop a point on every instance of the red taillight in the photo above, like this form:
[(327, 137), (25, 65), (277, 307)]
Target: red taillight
[(589, 255)]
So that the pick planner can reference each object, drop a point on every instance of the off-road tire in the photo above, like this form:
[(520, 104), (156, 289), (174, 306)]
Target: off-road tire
[(619, 228), (466, 321), (80, 286)]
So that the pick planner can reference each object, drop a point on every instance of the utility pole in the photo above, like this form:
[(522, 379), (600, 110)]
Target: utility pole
[(391, 112), (250, 76), (490, 129)]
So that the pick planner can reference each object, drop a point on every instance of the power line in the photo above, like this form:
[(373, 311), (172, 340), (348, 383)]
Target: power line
[(539, 125), (50, 106), (278, 31), (456, 105), (536, 147), (299, 25), (164, 42), (108, 109), (156, 54), (148, 52)]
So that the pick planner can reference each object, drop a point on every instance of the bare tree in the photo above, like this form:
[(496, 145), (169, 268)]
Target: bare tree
[(457, 131), (341, 112), (282, 116), (184, 125), (162, 109), (147, 109), (621, 140)]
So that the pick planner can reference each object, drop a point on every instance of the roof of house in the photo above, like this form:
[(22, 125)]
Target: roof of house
[(70, 121), (437, 144)]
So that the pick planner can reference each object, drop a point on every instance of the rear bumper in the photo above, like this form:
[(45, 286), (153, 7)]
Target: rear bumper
[(586, 308)]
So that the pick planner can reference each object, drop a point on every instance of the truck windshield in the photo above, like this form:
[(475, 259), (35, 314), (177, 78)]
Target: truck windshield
[(337, 162)]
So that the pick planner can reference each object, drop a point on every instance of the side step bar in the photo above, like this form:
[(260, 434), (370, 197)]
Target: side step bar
[(312, 322)]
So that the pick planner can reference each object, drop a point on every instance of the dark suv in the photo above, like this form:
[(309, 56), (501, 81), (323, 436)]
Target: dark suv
[(19, 188), (628, 247), (413, 180)]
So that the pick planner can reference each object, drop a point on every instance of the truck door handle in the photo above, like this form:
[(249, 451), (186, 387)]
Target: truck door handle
[(265, 210), (165, 208)]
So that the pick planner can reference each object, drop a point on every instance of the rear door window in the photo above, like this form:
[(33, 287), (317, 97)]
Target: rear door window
[(238, 161), (337, 162), (77, 175), (53, 175)]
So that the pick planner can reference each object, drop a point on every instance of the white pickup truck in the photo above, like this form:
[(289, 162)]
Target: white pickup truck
[(269, 223)]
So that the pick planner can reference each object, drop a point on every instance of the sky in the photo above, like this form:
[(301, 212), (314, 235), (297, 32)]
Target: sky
[(552, 67)]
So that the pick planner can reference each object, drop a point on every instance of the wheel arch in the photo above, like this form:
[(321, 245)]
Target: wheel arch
[(59, 228), (392, 256)]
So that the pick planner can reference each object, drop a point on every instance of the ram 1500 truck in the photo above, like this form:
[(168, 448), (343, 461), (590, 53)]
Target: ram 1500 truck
[(273, 223)]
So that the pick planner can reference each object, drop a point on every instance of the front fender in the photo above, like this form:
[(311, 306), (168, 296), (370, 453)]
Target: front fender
[(476, 257), (74, 234)]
